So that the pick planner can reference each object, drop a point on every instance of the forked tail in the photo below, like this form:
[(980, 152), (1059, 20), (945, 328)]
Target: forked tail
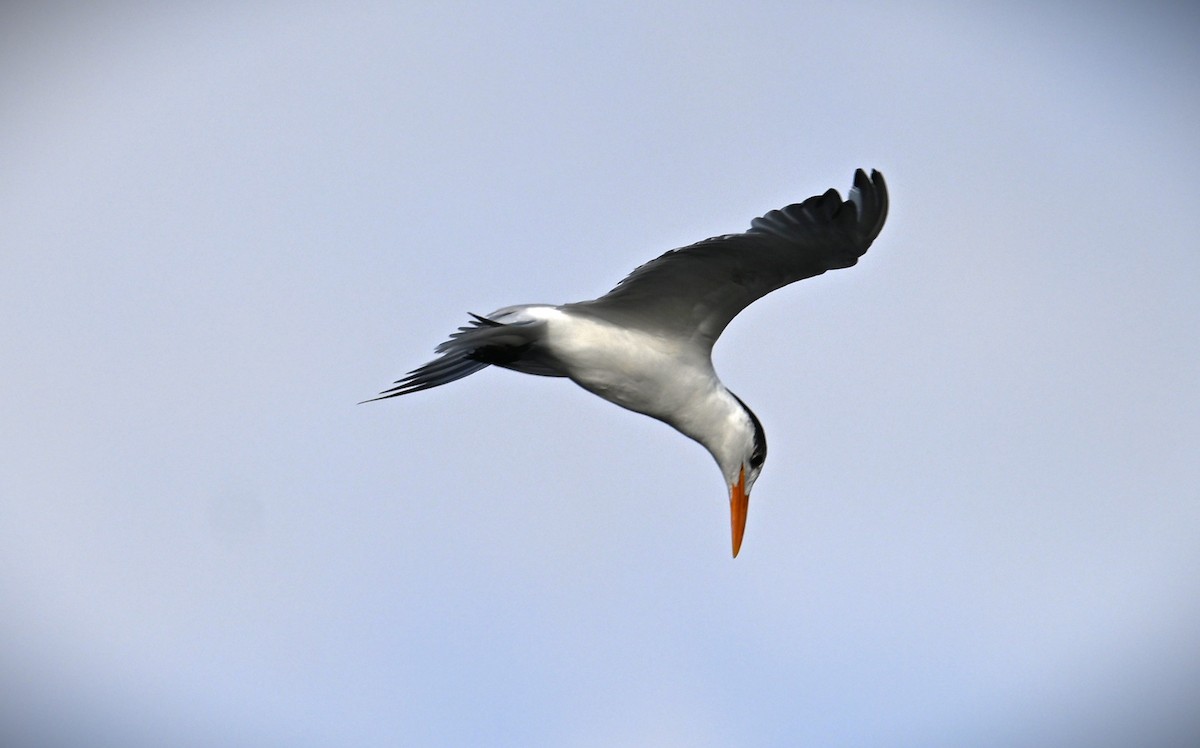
[(475, 346)]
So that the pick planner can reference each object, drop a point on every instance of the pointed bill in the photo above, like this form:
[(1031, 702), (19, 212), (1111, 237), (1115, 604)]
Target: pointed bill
[(739, 504)]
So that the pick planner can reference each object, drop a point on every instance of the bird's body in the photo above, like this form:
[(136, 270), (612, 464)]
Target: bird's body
[(647, 344), (635, 369)]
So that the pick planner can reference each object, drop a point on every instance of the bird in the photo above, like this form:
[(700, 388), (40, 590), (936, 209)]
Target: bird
[(646, 345)]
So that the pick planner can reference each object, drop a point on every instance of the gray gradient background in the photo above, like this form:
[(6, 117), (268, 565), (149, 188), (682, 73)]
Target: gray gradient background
[(223, 224)]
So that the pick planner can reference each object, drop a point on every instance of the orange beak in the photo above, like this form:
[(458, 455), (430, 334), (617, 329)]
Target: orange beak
[(739, 504)]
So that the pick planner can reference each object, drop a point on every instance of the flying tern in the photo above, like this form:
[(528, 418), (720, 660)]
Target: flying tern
[(647, 344)]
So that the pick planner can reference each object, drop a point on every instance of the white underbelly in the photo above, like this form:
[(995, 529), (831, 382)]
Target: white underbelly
[(636, 370)]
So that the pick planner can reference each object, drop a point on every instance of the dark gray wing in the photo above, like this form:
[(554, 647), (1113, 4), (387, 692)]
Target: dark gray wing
[(694, 292)]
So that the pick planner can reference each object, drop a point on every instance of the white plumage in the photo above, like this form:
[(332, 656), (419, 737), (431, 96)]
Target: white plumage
[(647, 344)]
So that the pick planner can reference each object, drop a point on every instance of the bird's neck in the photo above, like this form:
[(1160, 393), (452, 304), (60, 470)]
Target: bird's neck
[(719, 422)]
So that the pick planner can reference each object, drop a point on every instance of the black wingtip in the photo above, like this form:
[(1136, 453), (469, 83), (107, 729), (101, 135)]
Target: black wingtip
[(871, 196)]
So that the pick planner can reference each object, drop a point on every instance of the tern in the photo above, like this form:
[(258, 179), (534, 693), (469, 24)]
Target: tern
[(647, 344)]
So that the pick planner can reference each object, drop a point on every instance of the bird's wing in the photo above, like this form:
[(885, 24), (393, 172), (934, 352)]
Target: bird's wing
[(693, 292)]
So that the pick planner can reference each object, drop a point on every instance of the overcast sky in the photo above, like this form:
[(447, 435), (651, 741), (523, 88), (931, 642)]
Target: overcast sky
[(224, 224)]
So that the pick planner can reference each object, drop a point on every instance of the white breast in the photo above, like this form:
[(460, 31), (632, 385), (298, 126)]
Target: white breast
[(642, 372)]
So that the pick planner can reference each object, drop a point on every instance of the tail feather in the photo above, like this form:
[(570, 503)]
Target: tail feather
[(474, 346)]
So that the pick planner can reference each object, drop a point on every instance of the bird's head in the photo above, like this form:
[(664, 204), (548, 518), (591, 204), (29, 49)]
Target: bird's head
[(741, 458)]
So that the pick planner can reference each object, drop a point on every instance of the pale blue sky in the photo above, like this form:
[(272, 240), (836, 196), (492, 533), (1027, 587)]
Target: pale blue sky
[(223, 226)]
